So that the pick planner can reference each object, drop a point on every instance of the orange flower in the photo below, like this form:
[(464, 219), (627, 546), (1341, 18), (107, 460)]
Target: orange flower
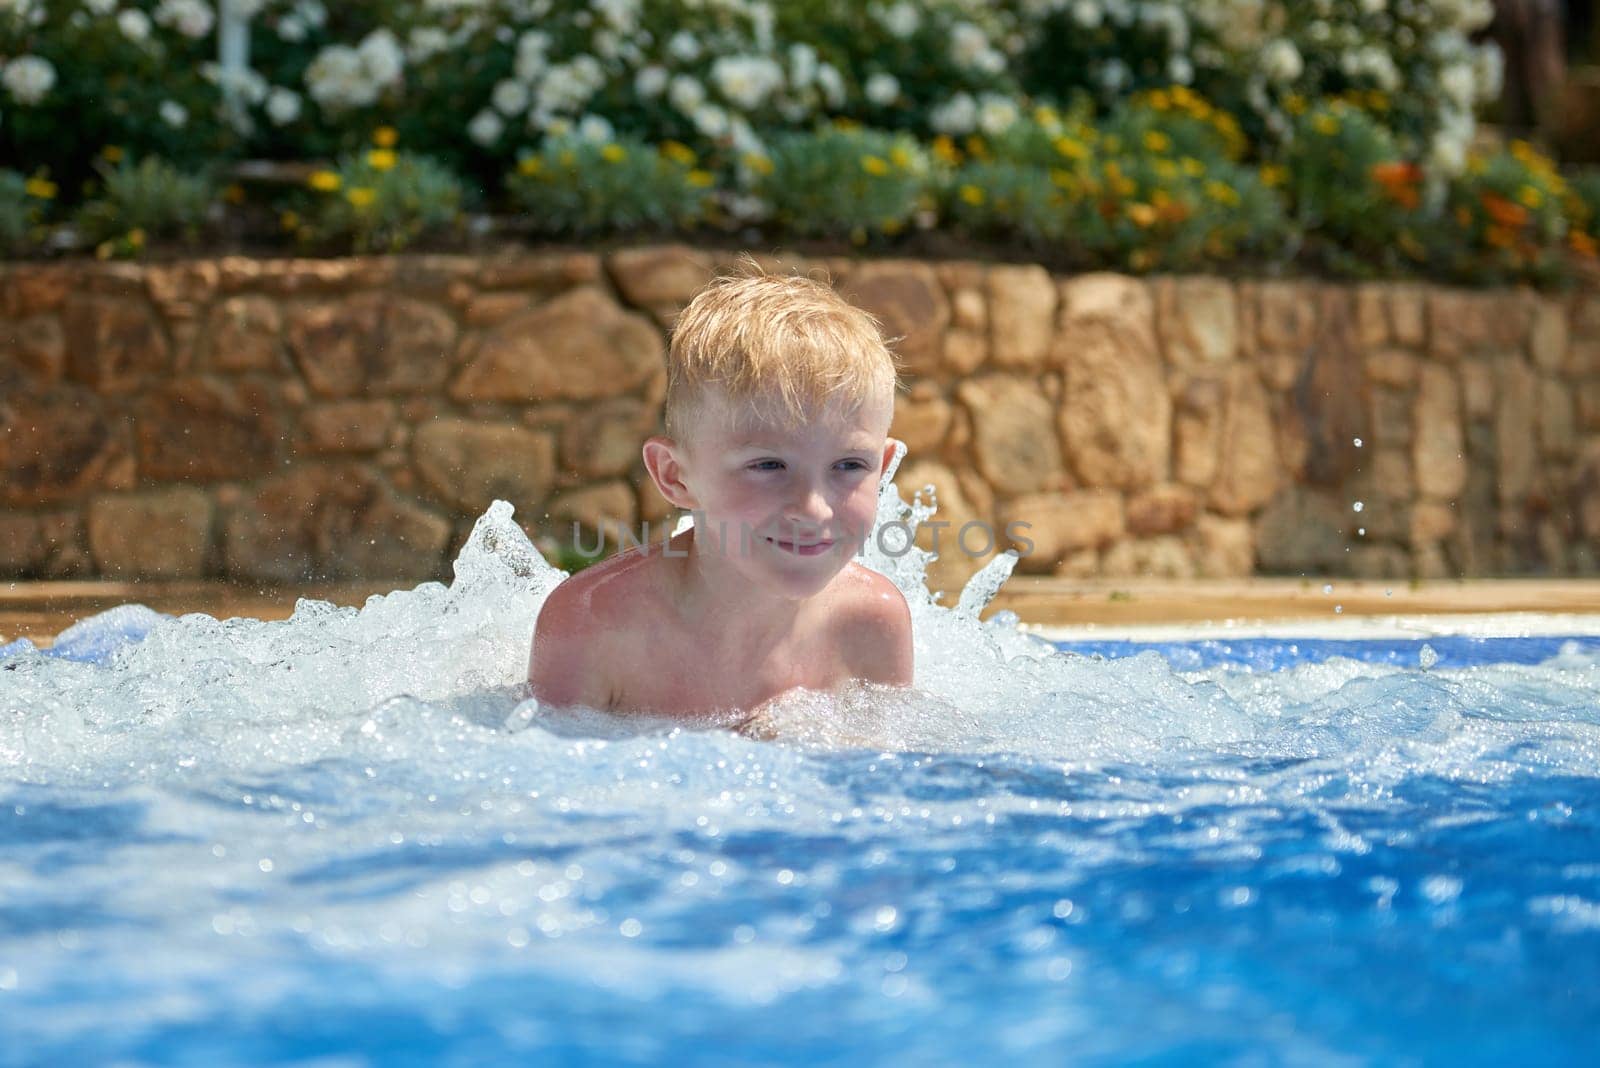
[(1582, 244), (1503, 211), (1400, 180)]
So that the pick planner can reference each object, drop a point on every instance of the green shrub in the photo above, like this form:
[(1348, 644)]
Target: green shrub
[(577, 186), (133, 202), (843, 181), (380, 200), (22, 209), (1505, 218)]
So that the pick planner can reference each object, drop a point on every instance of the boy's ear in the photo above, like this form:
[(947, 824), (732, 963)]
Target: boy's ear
[(667, 472), (888, 455)]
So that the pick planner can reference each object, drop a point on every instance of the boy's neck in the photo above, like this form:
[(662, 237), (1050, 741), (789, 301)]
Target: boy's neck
[(715, 598)]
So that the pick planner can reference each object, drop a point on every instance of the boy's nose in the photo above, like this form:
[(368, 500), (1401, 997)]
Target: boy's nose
[(808, 505)]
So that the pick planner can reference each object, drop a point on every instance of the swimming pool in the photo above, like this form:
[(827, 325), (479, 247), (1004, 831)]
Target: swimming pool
[(343, 838)]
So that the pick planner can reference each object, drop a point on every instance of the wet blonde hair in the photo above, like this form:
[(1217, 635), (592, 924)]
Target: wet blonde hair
[(784, 346)]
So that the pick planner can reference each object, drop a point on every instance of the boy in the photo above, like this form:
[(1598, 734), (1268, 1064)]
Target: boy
[(779, 397)]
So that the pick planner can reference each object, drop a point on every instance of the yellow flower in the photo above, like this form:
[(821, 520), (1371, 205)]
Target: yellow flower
[(1274, 175), (678, 152), (1156, 141), (1143, 215), (1166, 170), (613, 153), (1325, 124), (847, 125), (385, 137), (1294, 104), (102, 251), (289, 220), (971, 194), (874, 166), (1530, 197), (755, 161), (1377, 100), (1160, 100), (381, 159), (900, 157), (1045, 115), (111, 154), (700, 179), (945, 150), (361, 197), (1071, 148), (891, 226), (324, 181), (40, 188), (567, 157), (1522, 151), (136, 238), (976, 147), (1063, 179), (1192, 167), (530, 166), (1222, 192)]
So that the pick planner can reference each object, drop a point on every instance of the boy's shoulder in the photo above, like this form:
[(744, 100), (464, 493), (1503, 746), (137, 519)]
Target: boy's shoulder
[(871, 625)]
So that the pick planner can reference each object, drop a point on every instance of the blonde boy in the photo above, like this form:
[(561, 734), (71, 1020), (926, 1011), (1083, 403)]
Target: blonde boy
[(779, 397)]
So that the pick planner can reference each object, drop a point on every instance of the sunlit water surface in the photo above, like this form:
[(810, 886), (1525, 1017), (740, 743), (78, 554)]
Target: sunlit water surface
[(347, 838)]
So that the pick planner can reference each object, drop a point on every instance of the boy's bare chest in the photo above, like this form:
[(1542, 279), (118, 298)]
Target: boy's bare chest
[(675, 676)]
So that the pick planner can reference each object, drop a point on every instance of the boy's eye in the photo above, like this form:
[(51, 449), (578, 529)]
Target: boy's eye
[(852, 465), (767, 465)]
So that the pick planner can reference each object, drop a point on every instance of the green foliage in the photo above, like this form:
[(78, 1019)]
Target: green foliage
[(149, 199), (1505, 218), (1351, 191), (380, 200), (577, 186), (22, 202), (843, 181)]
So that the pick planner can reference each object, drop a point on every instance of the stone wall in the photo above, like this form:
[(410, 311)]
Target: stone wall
[(282, 420)]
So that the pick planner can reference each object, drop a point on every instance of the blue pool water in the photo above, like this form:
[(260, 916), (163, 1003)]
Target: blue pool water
[(346, 839)]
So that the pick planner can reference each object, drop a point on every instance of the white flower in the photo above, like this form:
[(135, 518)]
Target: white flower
[(381, 55), (29, 78), (747, 81), (245, 9), (532, 50), (134, 24), (650, 82), (802, 65), (1458, 84), (283, 106), (337, 79), (684, 46), (902, 20), (967, 43), (509, 97), (192, 18), (596, 128), (1489, 70), (882, 89), (996, 113), (1373, 7), (1281, 62), (292, 29), (1114, 76), (685, 94), (241, 83), (1087, 14), (173, 114), (623, 15), (710, 120), (958, 115), (1179, 70), (98, 7), (486, 127), (831, 83), (425, 42)]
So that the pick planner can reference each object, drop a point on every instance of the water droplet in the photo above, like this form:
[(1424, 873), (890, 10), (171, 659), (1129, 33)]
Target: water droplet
[(1328, 588), (1362, 531), (1358, 443), (1427, 657), (1357, 506), (630, 928), (1338, 609)]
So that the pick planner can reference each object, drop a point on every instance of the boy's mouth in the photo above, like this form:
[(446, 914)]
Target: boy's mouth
[(803, 547)]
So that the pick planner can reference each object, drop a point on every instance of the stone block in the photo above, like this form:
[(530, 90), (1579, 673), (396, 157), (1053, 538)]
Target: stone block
[(180, 289), (1408, 314), (36, 288), (1022, 314), (492, 309), (965, 351), (579, 346), (1371, 310), (38, 343), (910, 304), (1302, 531), (1197, 432), (372, 343), (348, 426), (1515, 429), (21, 546), (1199, 322), (1431, 521), (969, 310), (1249, 471), (1060, 524), (1223, 547), (542, 273), (1477, 389), (1588, 398), (1162, 509), (469, 465), (1014, 436), (1392, 367), (1463, 323), (1286, 316), (1392, 474), (608, 438), (1558, 420), (322, 522), (602, 508), (1548, 336), (245, 334), (56, 444), (113, 343), (1583, 357), (1438, 445), (921, 421), (660, 279), (199, 430), (162, 533), (1160, 557)]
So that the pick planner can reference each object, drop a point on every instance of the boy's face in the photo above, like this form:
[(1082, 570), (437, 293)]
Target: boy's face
[(785, 506)]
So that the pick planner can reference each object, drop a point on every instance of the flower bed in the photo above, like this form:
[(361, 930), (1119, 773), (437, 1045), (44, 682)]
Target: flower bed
[(1142, 135)]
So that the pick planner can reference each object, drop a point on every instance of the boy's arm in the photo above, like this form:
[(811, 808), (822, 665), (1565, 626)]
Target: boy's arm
[(877, 636), (560, 667)]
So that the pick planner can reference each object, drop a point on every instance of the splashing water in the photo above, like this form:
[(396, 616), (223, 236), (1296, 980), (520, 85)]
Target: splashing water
[(350, 835)]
